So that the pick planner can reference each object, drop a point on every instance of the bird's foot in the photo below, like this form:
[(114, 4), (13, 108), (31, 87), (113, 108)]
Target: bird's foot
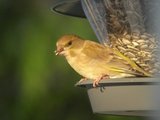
[(82, 80), (96, 82)]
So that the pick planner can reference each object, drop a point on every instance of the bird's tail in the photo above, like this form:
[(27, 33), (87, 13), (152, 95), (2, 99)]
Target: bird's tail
[(133, 64)]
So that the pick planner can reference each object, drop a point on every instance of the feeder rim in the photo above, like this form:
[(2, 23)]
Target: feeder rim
[(122, 82)]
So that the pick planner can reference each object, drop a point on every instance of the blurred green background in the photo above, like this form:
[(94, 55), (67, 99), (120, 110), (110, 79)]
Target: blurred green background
[(34, 83)]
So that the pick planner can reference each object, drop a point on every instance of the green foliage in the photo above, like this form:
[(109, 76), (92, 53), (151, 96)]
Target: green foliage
[(35, 84)]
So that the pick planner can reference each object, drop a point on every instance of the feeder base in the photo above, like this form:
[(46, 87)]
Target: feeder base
[(127, 96)]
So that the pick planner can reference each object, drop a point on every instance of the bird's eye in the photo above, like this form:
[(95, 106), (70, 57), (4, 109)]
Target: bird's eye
[(69, 43)]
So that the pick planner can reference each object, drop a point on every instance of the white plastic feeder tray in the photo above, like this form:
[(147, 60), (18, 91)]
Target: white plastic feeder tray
[(126, 96)]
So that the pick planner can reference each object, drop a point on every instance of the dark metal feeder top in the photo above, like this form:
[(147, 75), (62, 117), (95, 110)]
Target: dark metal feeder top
[(68, 7)]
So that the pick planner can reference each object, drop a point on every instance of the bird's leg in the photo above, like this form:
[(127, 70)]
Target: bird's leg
[(82, 79), (96, 82)]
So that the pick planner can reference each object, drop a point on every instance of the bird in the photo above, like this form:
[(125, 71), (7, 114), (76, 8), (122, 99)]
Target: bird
[(96, 61)]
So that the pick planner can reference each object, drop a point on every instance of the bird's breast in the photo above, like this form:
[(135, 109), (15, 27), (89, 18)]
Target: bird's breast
[(85, 66)]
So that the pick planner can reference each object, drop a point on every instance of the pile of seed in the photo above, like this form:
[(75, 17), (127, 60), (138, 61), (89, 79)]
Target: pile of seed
[(127, 32), (138, 47)]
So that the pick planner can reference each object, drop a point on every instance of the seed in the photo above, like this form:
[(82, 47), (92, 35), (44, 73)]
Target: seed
[(139, 53), (144, 37), (149, 55), (135, 43), (143, 65), (138, 62), (135, 37), (152, 40), (125, 41), (125, 33), (134, 59), (147, 59), (121, 48), (140, 44), (142, 54), (148, 35), (141, 41), (112, 36), (146, 69), (144, 46), (128, 37), (129, 54), (151, 46), (150, 71), (132, 47), (136, 34), (119, 41), (147, 52)]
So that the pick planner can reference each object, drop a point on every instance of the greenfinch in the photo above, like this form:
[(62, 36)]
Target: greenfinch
[(96, 61)]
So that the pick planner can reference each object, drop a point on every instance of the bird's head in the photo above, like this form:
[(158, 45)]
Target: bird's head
[(68, 42)]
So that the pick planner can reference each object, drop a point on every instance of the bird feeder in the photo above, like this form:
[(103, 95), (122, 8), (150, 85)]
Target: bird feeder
[(132, 27)]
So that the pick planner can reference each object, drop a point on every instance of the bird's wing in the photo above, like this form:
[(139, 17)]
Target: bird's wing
[(96, 51), (122, 66), (115, 60), (106, 55)]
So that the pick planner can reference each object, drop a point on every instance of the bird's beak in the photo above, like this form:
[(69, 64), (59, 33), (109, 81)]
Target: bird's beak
[(59, 51)]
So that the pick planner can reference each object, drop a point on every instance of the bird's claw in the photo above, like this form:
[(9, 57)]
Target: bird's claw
[(96, 82)]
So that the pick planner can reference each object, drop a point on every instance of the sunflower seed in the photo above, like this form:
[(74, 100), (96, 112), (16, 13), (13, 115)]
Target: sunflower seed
[(122, 48), (151, 46), (138, 62), (141, 41), (129, 54), (134, 59), (143, 65), (125, 41), (132, 47), (135, 44), (144, 37), (152, 40), (146, 69), (135, 37), (144, 46), (128, 37), (147, 35)]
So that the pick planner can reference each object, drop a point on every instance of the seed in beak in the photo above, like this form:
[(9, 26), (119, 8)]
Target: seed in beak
[(58, 51)]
